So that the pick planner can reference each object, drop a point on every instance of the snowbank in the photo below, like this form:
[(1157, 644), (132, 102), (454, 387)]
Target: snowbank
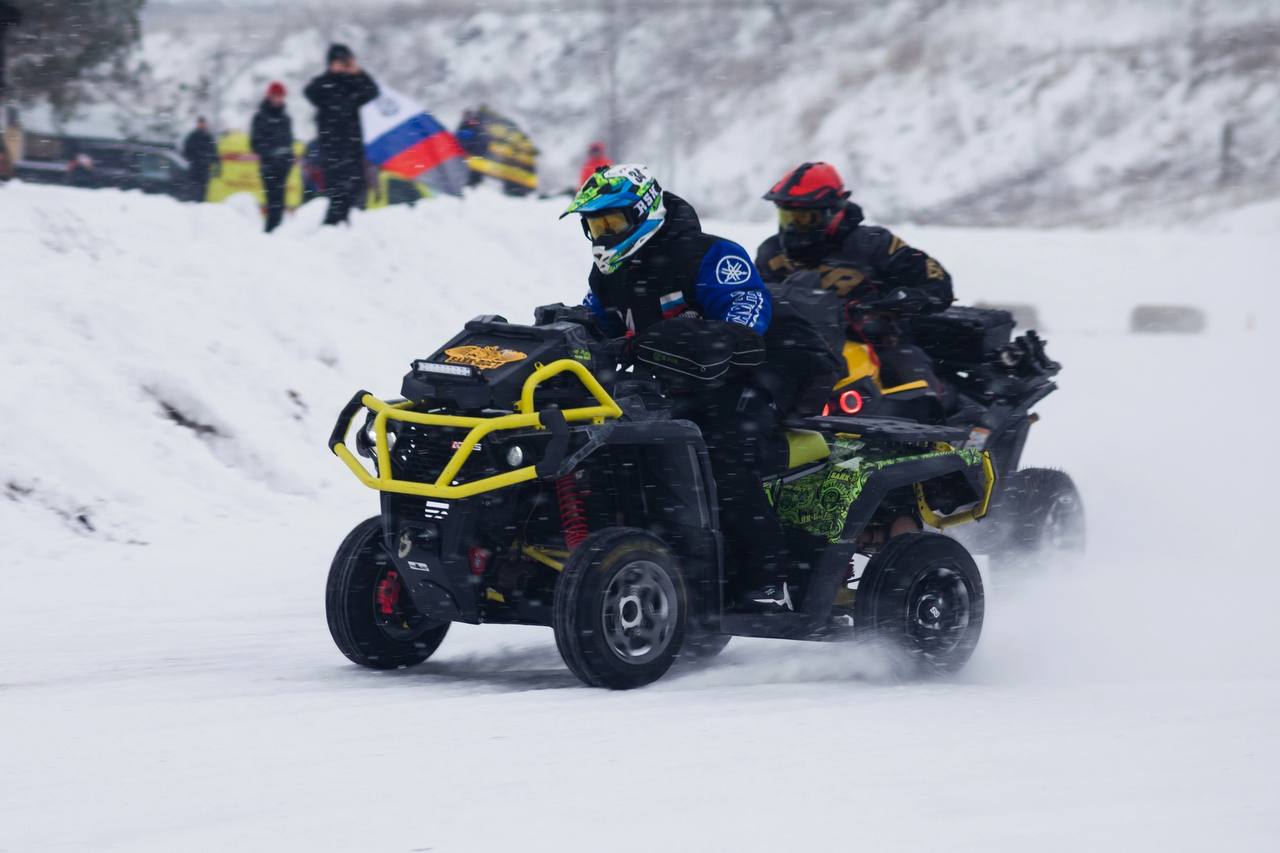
[(172, 363)]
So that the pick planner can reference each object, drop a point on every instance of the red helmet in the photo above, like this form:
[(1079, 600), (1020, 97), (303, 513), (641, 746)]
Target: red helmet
[(809, 185)]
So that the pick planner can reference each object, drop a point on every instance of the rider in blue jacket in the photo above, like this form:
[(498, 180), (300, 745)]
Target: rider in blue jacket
[(657, 271)]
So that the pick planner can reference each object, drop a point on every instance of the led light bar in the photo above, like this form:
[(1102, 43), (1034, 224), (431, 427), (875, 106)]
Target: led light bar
[(444, 369)]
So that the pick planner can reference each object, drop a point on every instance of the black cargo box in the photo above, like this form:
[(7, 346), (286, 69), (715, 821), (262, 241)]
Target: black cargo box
[(965, 335)]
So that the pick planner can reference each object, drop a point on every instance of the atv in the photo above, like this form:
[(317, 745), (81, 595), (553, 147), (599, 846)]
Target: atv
[(525, 480), (970, 372)]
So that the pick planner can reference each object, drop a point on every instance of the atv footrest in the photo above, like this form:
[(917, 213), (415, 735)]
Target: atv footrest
[(885, 429)]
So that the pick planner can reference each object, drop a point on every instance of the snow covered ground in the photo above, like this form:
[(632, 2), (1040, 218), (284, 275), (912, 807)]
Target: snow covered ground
[(168, 510)]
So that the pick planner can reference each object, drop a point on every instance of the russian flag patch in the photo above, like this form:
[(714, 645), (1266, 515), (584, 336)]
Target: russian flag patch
[(672, 305)]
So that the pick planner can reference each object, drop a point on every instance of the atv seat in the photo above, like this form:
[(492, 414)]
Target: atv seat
[(805, 447)]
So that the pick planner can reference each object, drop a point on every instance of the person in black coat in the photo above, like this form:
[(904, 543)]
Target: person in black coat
[(202, 154), (271, 138), (874, 280), (338, 95)]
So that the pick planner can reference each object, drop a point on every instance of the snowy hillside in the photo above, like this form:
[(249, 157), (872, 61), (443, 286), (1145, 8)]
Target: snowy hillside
[(964, 112), (169, 509)]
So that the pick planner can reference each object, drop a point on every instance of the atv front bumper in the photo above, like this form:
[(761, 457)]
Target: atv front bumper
[(444, 488)]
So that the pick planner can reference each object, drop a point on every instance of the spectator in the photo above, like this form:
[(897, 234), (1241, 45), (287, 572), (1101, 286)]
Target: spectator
[(202, 155), (471, 135), (338, 95), (596, 159), (272, 140)]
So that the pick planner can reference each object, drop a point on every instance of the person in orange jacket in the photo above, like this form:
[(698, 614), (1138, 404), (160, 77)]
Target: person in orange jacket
[(596, 159)]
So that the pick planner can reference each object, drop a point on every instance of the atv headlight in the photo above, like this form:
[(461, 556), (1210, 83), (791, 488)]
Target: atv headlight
[(464, 371), (371, 437), (515, 456)]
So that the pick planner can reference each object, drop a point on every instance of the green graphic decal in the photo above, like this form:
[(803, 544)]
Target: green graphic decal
[(820, 503)]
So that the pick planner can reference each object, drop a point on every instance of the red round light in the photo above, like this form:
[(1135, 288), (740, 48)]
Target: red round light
[(851, 402)]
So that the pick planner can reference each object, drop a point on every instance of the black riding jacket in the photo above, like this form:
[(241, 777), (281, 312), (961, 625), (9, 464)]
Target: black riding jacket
[(680, 270), (860, 263), (684, 271)]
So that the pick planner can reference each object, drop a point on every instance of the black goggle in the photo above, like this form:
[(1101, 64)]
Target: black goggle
[(803, 218)]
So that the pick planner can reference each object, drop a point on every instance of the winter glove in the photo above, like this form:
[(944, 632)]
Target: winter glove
[(623, 350)]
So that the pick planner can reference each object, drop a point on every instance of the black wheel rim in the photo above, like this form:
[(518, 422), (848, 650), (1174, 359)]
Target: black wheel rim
[(393, 610), (939, 611), (639, 612)]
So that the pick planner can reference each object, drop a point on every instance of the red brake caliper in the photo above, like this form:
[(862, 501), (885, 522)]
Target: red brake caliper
[(388, 595)]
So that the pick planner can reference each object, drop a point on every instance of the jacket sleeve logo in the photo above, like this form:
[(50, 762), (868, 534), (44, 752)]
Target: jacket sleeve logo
[(485, 358), (733, 270)]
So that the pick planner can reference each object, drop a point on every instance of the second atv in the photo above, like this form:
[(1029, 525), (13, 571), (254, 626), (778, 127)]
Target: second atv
[(983, 380)]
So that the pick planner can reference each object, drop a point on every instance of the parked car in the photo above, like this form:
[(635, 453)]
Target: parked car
[(96, 163)]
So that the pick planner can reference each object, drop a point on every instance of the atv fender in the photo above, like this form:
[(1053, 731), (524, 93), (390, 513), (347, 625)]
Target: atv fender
[(812, 619)]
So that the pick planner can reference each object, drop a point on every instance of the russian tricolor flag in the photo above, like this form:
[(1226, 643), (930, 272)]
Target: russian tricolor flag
[(403, 138)]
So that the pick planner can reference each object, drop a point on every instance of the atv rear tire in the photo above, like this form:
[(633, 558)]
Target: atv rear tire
[(1043, 513), (921, 596), (1035, 515), (620, 609), (361, 572)]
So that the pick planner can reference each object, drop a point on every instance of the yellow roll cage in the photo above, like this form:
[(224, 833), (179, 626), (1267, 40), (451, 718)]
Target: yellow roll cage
[(524, 418)]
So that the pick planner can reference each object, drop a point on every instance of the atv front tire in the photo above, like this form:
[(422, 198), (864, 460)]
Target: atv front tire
[(921, 597), (703, 646), (371, 617), (620, 609)]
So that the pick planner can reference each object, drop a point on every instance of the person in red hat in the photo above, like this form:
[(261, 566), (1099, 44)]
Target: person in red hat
[(876, 280), (596, 160), (271, 139)]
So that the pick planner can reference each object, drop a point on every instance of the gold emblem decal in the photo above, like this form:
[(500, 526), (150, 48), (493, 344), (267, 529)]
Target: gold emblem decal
[(485, 358), (840, 279)]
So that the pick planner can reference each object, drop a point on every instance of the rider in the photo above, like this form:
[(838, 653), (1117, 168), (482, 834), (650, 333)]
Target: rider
[(819, 229), (653, 263)]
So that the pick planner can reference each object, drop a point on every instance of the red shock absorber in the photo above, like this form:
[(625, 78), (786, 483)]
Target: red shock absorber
[(388, 594), (573, 511)]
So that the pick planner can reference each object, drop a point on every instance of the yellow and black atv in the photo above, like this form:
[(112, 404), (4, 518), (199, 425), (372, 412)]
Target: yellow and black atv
[(963, 368), (524, 480)]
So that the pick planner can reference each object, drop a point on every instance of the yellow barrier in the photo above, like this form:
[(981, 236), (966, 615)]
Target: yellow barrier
[(443, 487), (238, 172)]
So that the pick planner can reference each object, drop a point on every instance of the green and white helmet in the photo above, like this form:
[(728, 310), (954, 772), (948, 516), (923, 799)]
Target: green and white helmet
[(621, 209)]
